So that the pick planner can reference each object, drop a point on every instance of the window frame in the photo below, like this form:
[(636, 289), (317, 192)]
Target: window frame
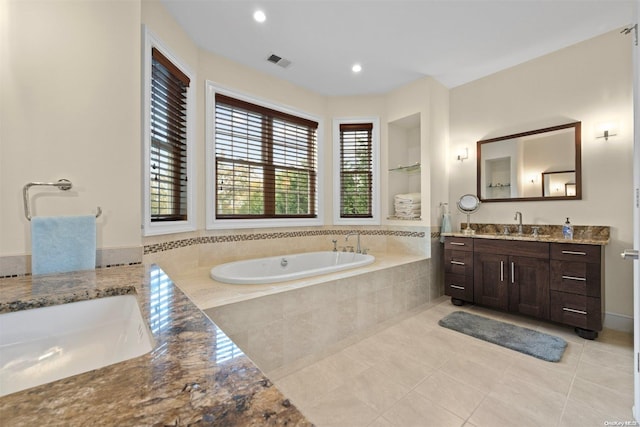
[(149, 227), (212, 222), (375, 172)]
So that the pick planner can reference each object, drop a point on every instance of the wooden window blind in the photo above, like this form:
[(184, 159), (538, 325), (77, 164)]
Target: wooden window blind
[(265, 162), (168, 193), (356, 170)]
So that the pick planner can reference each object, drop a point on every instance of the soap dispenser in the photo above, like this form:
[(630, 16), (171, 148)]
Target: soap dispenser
[(567, 230)]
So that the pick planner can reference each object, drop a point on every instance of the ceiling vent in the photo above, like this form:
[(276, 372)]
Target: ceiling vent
[(279, 61)]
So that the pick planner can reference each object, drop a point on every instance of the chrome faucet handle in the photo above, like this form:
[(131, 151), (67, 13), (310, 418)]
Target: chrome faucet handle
[(535, 231), (505, 230), (335, 242), (364, 251)]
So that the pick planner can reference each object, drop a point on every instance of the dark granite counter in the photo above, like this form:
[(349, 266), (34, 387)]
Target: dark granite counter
[(583, 234), (194, 376)]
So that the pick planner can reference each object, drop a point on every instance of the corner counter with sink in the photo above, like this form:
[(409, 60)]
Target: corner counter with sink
[(539, 274), (194, 373)]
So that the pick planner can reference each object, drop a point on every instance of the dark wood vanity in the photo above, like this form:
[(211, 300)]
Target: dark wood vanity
[(556, 281)]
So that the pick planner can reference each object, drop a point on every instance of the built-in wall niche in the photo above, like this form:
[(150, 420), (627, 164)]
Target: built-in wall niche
[(404, 173), (498, 172)]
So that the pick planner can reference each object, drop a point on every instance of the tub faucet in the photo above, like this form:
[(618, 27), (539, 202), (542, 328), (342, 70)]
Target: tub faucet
[(358, 249), (519, 216)]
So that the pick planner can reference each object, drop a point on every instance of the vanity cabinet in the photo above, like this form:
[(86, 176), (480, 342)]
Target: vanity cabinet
[(513, 276), (458, 269), (561, 282), (577, 276)]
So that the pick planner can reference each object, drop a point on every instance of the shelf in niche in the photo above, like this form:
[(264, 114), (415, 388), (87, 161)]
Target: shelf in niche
[(407, 169)]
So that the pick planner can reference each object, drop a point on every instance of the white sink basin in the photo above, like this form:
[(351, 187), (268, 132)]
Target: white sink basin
[(46, 344)]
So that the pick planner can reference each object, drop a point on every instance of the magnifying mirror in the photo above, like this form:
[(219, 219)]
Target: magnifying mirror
[(468, 204)]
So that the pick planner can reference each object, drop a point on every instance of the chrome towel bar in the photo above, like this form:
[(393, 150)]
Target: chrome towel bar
[(62, 184)]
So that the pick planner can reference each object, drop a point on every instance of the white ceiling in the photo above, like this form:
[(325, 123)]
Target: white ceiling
[(396, 41)]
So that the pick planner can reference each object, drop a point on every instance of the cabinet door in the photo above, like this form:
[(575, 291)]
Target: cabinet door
[(490, 280), (529, 286)]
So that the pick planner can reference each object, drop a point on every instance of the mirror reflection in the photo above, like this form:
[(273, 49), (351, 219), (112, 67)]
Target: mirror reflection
[(542, 164)]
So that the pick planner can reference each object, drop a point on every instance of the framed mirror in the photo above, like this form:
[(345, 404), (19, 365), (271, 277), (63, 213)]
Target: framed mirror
[(542, 164)]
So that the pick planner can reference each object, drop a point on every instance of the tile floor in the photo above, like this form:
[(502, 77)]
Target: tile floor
[(416, 373)]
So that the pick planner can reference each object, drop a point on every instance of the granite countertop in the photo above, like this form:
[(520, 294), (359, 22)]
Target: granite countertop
[(583, 234), (190, 377)]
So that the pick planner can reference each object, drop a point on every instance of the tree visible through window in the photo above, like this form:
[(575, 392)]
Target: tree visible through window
[(356, 170), (265, 162), (168, 163)]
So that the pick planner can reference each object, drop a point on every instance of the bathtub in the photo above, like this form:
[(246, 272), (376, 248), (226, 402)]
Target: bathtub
[(287, 267)]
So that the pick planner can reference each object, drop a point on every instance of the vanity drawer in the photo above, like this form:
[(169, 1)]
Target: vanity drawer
[(576, 252), (576, 277), (576, 310), (458, 243), (459, 262), (458, 286)]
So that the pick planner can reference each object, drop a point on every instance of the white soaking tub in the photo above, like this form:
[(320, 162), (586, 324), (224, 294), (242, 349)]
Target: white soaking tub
[(287, 267)]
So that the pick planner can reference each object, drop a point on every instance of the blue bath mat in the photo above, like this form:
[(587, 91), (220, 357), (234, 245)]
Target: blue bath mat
[(537, 344)]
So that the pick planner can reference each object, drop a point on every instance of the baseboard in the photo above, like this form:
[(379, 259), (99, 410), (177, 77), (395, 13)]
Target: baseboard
[(618, 322)]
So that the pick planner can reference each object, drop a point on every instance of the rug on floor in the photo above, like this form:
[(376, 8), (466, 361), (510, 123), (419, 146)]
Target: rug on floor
[(537, 344)]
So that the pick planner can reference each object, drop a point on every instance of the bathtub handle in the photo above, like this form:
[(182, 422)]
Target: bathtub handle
[(284, 262), (335, 248)]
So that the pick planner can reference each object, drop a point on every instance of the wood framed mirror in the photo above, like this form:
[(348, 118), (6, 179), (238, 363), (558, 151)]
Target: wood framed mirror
[(530, 165)]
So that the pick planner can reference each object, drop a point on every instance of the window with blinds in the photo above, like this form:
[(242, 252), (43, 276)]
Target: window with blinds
[(265, 162), (356, 170), (168, 151)]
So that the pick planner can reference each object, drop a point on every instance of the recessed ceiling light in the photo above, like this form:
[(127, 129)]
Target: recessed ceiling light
[(259, 16), (356, 68)]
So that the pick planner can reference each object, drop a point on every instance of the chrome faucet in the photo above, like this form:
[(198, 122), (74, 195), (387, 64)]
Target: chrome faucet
[(346, 239), (519, 216)]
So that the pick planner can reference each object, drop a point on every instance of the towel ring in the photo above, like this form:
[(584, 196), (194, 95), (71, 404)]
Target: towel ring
[(62, 184)]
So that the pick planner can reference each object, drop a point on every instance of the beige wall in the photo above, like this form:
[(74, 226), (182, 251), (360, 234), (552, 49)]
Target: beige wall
[(70, 108), (588, 82)]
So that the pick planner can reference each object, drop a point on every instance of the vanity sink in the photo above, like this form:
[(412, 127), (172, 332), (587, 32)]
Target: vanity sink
[(46, 344)]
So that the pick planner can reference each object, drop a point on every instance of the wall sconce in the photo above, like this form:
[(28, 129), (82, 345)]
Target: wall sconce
[(606, 130), (463, 154)]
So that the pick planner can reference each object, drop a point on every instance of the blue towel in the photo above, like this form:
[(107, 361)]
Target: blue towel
[(63, 243), (446, 226)]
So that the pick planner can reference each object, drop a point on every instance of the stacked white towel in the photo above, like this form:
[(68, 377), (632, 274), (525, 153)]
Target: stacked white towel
[(407, 205)]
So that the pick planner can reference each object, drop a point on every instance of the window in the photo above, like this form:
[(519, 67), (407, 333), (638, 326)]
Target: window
[(356, 164), (167, 143), (265, 166)]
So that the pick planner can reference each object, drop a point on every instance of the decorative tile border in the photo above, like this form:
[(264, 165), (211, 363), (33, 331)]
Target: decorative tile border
[(227, 238)]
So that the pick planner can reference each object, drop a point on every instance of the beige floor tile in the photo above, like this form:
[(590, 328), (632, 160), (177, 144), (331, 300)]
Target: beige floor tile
[(541, 374), (620, 380), (375, 388), (467, 371), (459, 398), (340, 410), (381, 422), (405, 370), (416, 411), (580, 414), (492, 412), (318, 379), (603, 400), (543, 405), (613, 341), (598, 355)]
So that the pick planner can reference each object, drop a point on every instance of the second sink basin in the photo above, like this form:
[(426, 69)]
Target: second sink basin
[(46, 344)]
